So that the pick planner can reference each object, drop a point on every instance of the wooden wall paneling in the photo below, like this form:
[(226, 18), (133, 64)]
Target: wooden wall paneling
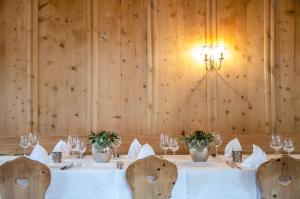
[(255, 62), (193, 107), (297, 67), (89, 64), (71, 66), (233, 77), (167, 66), (33, 70), (182, 86), (240, 94), (212, 92), (284, 46), (13, 69), (269, 65), (94, 67), (63, 67), (109, 22), (151, 66), (29, 61), (133, 55)]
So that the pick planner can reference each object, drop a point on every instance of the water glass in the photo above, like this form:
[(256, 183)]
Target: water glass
[(72, 143), (276, 143), (164, 143), (288, 145), (173, 145), (33, 139), (24, 142), (80, 147), (217, 141), (116, 145)]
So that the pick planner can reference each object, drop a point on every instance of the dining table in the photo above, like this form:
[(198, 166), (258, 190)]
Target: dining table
[(213, 179)]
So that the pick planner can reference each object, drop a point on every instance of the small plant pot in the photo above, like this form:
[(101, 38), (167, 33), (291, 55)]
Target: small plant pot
[(100, 154), (199, 154)]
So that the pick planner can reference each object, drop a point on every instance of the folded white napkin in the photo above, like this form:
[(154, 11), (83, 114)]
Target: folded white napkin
[(233, 145), (257, 157), (39, 154), (134, 149), (146, 151), (62, 146)]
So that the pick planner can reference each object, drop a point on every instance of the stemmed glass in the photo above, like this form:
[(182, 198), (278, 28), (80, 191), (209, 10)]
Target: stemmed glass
[(24, 143), (164, 143), (288, 145), (173, 145), (217, 141), (72, 143), (117, 144), (276, 143), (33, 140), (81, 148)]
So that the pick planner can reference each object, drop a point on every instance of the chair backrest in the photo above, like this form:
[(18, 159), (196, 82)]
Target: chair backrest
[(151, 178), (280, 178), (23, 178)]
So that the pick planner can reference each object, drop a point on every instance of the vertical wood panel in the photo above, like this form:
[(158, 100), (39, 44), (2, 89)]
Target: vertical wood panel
[(109, 81), (297, 67), (123, 66), (181, 82), (240, 82), (13, 68), (62, 67), (285, 85), (133, 66)]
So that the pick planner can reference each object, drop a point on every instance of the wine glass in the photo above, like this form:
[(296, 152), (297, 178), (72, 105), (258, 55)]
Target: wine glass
[(24, 143), (217, 141), (117, 144), (276, 143), (173, 145), (164, 143), (33, 139), (288, 145), (81, 148), (72, 142)]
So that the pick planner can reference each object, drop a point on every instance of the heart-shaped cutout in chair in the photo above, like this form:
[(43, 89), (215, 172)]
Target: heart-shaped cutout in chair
[(284, 180), (22, 182)]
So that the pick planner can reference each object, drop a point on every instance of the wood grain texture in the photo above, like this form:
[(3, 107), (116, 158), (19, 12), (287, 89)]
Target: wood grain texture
[(62, 74), (13, 69), (280, 178), (68, 67), (151, 178), (14, 173)]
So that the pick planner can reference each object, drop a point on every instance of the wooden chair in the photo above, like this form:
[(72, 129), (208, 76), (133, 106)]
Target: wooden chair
[(280, 178), (151, 178), (23, 178)]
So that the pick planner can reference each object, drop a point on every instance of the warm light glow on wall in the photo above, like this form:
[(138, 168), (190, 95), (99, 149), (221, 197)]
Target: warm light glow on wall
[(210, 56), (197, 54)]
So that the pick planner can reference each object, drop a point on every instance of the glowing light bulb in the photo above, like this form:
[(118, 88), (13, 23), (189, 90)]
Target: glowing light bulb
[(197, 54), (218, 52)]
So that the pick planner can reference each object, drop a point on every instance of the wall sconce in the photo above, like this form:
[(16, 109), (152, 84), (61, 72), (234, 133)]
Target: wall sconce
[(212, 56)]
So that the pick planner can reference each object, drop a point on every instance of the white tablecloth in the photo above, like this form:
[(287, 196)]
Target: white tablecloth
[(213, 179)]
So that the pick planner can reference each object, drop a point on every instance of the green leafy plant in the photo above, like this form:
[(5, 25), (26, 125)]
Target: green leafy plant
[(198, 139), (103, 138)]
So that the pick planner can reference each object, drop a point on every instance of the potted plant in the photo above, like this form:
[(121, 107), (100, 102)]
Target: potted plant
[(101, 143), (198, 144)]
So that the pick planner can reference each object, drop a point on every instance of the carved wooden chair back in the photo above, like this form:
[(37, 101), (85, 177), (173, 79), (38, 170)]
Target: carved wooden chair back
[(23, 178), (151, 178), (280, 178)]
